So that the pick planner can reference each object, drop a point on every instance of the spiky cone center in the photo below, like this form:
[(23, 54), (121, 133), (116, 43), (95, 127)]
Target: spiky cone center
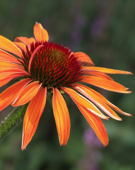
[(51, 64)]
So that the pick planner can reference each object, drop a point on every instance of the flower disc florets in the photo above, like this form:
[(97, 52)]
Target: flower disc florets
[(52, 64)]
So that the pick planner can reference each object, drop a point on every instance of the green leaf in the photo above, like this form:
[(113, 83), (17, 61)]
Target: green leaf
[(11, 120)]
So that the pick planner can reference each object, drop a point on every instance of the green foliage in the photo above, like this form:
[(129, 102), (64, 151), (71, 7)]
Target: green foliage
[(11, 120)]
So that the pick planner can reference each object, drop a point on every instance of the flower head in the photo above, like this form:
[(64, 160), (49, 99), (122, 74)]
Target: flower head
[(39, 67)]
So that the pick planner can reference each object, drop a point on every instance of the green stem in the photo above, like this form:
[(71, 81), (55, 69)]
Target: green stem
[(11, 120)]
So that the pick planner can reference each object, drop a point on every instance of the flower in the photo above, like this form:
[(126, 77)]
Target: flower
[(39, 67)]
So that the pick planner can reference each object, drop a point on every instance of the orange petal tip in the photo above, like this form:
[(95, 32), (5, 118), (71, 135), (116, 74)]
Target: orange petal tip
[(24, 145), (40, 32), (128, 114), (130, 73), (23, 148), (105, 117), (118, 119), (127, 72), (128, 91), (106, 143)]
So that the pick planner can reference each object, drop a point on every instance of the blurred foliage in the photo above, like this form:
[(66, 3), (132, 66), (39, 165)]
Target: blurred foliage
[(106, 31), (11, 120)]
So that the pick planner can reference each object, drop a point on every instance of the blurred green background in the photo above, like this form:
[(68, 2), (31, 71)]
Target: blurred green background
[(106, 31)]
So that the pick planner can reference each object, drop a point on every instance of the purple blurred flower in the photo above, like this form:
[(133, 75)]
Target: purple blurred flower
[(98, 27), (92, 155), (91, 139)]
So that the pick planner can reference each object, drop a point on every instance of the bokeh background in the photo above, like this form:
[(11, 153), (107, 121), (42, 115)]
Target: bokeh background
[(104, 29)]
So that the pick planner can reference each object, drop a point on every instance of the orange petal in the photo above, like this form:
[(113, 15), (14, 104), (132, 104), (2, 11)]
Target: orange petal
[(10, 71), (96, 124), (108, 70), (5, 81), (87, 92), (98, 95), (118, 109), (8, 95), (25, 40), (80, 100), (6, 69), (6, 57), (6, 77), (96, 73), (27, 93), (9, 46), (20, 45), (13, 70), (7, 66), (82, 57), (40, 33), (105, 84), (32, 116), (61, 116)]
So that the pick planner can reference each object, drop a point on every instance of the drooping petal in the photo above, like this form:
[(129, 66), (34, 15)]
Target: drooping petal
[(106, 84), (6, 57), (108, 70), (32, 116), (27, 93), (40, 33), (98, 95), (96, 124), (118, 109), (9, 46), (8, 95), (87, 92), (25, 40), (80, 100), (61, 116), (82, 57)]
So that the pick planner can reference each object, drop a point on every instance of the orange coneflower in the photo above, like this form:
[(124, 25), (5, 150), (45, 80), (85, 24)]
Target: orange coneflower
[(40, 66)]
